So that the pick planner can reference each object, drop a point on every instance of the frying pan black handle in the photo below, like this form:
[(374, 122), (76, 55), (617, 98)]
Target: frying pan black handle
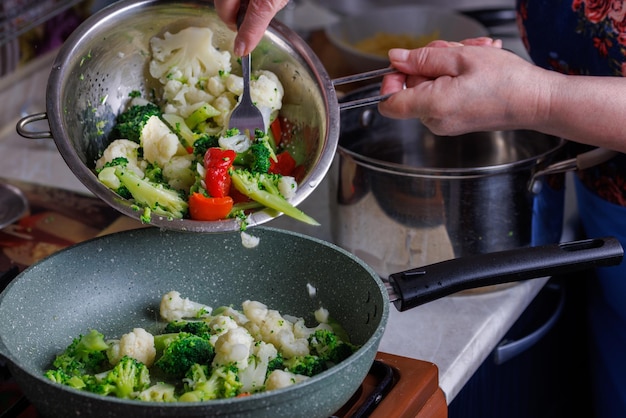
[(424, 284)]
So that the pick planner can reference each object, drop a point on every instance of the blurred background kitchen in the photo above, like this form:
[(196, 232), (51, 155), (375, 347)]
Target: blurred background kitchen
[(547, 379)]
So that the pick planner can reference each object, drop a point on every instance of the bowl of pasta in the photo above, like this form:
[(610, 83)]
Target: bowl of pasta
[(364, 38)]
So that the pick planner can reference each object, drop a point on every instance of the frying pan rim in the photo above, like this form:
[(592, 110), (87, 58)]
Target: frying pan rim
[(291, 392)]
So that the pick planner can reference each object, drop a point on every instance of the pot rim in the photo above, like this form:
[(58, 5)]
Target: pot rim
[(449, 173)]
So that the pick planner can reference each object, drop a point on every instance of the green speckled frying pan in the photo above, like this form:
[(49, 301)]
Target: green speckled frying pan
[(115, 283)]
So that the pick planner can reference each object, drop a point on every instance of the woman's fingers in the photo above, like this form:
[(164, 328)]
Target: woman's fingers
[(257, 19)]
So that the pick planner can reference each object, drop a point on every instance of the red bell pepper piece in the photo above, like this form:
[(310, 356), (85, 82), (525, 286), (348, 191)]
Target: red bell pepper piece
[(277, 131), (284, 165), (205, 208), (216, 163)]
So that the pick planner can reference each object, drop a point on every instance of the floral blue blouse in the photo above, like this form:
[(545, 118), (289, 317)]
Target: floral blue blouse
[(581, 37)]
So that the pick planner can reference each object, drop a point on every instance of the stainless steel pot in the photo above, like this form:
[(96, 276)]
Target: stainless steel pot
[(407, 197)]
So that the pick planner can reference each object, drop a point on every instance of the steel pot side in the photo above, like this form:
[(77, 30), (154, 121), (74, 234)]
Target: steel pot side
[(429, 198), (114, 283), (106, 58)]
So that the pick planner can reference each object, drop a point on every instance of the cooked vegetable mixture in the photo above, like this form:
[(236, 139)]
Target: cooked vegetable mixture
[(174, 156), (203, 354)]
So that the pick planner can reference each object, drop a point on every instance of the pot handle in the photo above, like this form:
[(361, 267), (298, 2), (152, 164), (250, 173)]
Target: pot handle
[(360, 77), (417, 286), (26, 120), (507, 349), (580, 162)]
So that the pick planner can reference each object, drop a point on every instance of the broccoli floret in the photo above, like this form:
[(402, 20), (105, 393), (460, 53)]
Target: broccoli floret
[(256, 158), (183, 352), (107, 176), (306, 365), (325, 344), (263, 188), (161, 341), (130, 122), (199, 328), (154, 173), (117, 161), (86, 354), (275, 363), (159, 392), (77, 382), (203, 143), (155, 197), (222, 382), (126, 378)]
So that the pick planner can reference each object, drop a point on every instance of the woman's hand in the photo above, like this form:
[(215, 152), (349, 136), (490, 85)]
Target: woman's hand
[(256, 21), (459, 87)]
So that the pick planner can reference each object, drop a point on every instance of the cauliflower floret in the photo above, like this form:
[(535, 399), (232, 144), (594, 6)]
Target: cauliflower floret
[(138, 344), (266, 90), (255, 311), (287, 186), (189, 51), (235, 315), (234, 84), (159, 143), (300, 330), (290, 345), (225, 103), (174, 307), (215, 85), (249, 241), (182, 99), (178, 172), (122, 148), (270, 326), (238, 143), (233, 347), (220, 325), (253, 375), (278, 379), (322, 315)]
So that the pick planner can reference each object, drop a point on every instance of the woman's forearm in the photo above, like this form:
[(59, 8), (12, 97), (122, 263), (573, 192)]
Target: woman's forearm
[(590, 110)]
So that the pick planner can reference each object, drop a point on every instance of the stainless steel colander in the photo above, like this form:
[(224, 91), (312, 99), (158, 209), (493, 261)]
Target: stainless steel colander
[(107, 57)]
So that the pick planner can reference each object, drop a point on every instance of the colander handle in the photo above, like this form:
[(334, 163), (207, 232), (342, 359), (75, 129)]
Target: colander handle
[(360, 77), (26, 120)]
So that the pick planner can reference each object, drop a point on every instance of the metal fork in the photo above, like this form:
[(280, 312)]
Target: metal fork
[(246, 116)]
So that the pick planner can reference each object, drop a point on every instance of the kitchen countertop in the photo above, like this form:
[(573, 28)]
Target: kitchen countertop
[(457, 333)]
